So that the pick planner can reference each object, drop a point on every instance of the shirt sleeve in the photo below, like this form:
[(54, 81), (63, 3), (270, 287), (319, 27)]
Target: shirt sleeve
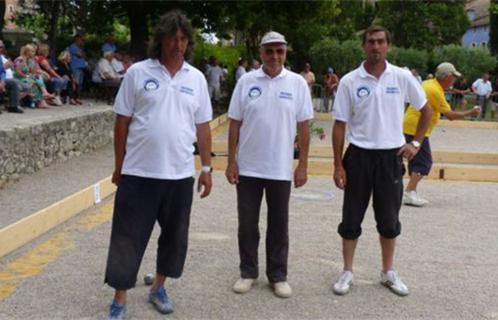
[(415, 94), (235, 108), (442, 105), (125, 99), (205, 111), (343, 103), (305, 105)]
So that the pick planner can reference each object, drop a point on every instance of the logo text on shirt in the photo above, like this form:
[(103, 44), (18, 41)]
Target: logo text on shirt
[(285, 95), (187, 90), (392, 90)]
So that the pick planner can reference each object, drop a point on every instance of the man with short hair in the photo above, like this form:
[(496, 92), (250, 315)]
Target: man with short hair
[(266, 106), (421, 164), (241, 69), (162, 105), (214, 76), (370, 101), (308, 75), (482, 88)]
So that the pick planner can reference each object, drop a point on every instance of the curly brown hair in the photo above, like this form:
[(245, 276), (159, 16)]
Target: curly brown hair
[(168, 25)]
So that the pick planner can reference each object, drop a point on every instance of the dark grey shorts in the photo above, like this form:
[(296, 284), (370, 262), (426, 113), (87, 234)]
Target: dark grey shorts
[(139, 203), (422, 162)]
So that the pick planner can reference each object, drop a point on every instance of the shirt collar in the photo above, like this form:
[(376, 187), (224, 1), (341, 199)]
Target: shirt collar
[(365, 74), (154, 63), (261, 74)]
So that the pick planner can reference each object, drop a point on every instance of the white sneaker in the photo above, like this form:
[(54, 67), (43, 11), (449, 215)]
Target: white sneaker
[(282, 289), (391, 280), (411, 198), (243, 285), (344, 283)]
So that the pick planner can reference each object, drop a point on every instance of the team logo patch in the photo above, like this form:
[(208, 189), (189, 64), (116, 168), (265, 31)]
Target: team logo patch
[(362, 92), (151, 84), (392, 90), (254, 92), (187, 90), (285, 95)]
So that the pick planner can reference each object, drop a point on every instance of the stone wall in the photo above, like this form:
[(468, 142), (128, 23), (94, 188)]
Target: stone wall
[(28, 149)]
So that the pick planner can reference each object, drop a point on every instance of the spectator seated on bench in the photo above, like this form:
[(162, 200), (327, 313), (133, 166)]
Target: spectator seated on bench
[(105, 76)]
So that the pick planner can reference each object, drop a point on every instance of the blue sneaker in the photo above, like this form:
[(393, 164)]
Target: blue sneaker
[(117, 311), (161, 301)]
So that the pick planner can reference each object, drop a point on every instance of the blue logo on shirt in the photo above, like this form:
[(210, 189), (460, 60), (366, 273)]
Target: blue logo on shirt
[(285, 95), (392, 90), (151, 84), (362, 92), (187, 90), (254, 92)]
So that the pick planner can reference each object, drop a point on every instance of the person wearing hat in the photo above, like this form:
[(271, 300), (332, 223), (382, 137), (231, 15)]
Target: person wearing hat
[(421, 164), (266, 106), (370, 103)]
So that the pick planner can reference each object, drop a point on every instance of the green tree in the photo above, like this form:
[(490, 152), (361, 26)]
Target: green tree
[(493, 27), (423, 24), (411, 58), (343, 57)]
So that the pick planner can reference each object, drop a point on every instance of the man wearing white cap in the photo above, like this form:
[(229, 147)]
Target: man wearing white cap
[(265, 108), (421, 164)]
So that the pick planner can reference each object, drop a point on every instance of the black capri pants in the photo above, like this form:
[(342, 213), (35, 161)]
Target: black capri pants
[(138, 204), (372, 172)]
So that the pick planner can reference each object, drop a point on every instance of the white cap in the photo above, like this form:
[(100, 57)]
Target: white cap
[(445, 69), (272, 37)]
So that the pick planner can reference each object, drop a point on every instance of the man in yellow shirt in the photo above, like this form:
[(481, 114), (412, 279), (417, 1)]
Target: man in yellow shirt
[(421, 164)]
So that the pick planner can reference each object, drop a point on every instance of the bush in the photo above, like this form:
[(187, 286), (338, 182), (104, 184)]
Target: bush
[(411, 58), (343, 57)]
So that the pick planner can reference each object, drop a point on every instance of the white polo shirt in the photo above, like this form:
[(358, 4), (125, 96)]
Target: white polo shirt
[(269, 110), (482, 88), (164, 112), (374, 108)]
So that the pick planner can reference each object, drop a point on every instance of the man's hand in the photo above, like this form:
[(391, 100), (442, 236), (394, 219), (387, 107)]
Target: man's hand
[(408, 151), (116, 176), (340, 177), (204, 184), (475, 111), (2, 86), (300, 176), (232, 173)]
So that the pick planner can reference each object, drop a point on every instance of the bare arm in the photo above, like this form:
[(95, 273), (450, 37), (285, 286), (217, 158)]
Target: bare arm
[(120, 135), (232, 171), (205, 182), (338, 135), (458, 115), (301, 172)]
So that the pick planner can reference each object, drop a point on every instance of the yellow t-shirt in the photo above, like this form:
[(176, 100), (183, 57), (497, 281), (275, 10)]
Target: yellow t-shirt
[(438, 103)]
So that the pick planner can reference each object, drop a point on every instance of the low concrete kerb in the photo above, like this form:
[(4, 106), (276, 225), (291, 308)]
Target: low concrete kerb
[(29, 228)]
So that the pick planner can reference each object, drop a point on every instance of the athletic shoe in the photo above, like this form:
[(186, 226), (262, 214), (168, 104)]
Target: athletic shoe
[(282, 289), (117, 311), (411, 198), (344, 283), (243, 285), (160, 301), (391, 280)]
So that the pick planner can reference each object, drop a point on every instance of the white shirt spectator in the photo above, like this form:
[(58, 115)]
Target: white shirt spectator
[(118, 67), (269, 109), (9, 73), (105, 69), (239, 72), (374, 108), (481, 87), (162, 106), (214, 76)]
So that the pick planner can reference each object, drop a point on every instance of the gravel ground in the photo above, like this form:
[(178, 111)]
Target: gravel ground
[(446, 255)]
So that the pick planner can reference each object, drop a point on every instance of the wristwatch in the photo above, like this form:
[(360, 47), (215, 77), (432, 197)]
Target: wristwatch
[(415, 143), (206, 169)]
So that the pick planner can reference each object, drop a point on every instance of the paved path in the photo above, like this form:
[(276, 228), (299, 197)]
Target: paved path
[(447, 255)]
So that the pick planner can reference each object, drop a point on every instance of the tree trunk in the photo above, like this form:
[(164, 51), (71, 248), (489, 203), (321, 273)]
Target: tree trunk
[(54, 17), (138, 28), (2, 15)]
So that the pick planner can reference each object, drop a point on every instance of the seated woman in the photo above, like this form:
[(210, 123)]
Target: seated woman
[(64, 70), (52, 78), (27, 71)]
